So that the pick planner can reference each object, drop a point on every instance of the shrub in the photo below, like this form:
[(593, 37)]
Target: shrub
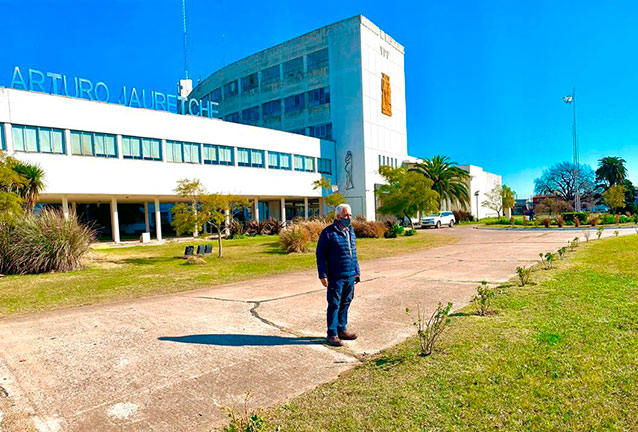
[(194, 260), (430, 330), (546, 222), (587, 234), (395, 231), (576, 222), (483, 298), (616, 233), (409, 232), (463, 216), (512, 220), (617, 219), (313, 228), (294, 238), (559, 221), (243, 420), (44, 242), (547, 260), (524, 275), (594, 220), (271, 226), (581, 217), (525, 221), (561, 252), (574, 243), (625, 219), (599, 232), (252, 228), (234, 228), (635, 218), (607, 219), (364, 229)]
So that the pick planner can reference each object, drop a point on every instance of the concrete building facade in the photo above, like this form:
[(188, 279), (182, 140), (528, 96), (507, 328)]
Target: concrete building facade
[(344, 82)]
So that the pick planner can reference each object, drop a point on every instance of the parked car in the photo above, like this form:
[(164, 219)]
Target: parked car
[(437, 219)]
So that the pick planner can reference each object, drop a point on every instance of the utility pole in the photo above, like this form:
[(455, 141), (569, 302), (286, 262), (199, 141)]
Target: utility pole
[(571, 99)]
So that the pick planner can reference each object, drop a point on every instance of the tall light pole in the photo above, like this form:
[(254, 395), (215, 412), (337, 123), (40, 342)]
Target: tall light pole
[(571, 99), (476, 194)]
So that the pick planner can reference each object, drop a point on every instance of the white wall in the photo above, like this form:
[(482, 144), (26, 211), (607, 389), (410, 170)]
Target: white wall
[(95, 175), (483, 182)]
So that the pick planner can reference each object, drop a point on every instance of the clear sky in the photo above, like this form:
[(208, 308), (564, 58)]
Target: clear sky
[(485, 79)]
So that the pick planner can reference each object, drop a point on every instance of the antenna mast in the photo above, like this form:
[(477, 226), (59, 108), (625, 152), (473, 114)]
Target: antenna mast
[(185, 46)]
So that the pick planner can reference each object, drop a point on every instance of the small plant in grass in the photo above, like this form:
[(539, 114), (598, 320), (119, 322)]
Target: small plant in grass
[(243, 420), (194, 260), (546, 222), (408, 232), (616, 233), (430, 330), (483, 299), (586, 234), (599, 232), (574, 244), (561, 252), (547, 260), (524, 275)]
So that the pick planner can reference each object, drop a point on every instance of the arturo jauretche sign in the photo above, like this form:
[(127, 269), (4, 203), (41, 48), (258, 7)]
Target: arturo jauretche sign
[(59, 84)]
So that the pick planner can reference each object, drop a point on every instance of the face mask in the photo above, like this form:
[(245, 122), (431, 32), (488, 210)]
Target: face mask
[(344, 222)]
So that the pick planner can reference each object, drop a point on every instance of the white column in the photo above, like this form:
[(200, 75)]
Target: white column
[(256, 209), (158, 220), (163, 149), (227, 221), (118, 146), (266, 159), (115, 222), (196, 232), (148, 225), (65, 207), (8, 138), (305, 208), (283, 210), (74, 208)]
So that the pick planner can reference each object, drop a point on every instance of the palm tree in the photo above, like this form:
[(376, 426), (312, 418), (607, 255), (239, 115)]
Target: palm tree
[(448, 180), (33, 175), (611, 169)]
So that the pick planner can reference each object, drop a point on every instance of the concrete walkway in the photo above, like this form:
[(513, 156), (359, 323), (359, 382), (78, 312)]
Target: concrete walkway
[(170, 363)]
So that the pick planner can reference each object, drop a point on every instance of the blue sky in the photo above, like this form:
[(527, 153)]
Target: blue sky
[(484, 80)]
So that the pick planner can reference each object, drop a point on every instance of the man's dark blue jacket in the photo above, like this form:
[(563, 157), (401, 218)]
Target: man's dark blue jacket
[(335, 260)]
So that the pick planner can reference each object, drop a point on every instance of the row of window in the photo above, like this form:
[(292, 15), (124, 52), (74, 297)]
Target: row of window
[(50, 140), (388, 161), (291, 104), (291, 69)]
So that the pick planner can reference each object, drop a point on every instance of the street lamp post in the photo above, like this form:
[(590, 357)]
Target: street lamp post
[(571, 99), (476, 194)]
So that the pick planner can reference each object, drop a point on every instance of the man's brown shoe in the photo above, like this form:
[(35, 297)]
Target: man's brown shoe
[(334, 341), (347, 335)]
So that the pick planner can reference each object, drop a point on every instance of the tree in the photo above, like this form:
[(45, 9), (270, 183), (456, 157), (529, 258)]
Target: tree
[(215, 208), (11, 183), (448, 180), (33, 183), (630, 197), (611, 171), (614, 197), (188, 220), (334, 198), (553, 206), (406, 193), (499, 199), (560, 180)]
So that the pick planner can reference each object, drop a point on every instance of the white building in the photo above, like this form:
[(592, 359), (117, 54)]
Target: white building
[(481, 182), (343, 82), (101, 153)]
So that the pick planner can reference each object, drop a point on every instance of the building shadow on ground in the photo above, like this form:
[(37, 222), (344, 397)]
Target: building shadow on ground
[(243, 340)]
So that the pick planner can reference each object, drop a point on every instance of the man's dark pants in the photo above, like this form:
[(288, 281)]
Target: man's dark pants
[(340, 293)]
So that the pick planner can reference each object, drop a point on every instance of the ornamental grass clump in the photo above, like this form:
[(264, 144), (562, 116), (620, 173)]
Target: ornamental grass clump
[(483, 299), (45, 242), (524, 275), (294, 239), (547, 222), (430, 330)]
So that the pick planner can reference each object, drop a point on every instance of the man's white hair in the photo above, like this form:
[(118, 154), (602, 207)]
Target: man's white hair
[(340, 208)]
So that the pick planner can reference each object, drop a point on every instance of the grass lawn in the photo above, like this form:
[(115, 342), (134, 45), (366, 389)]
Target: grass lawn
[(131, 272), (559, 355)]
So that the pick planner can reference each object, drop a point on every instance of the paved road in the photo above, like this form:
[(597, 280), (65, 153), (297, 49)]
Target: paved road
[(170, 363)]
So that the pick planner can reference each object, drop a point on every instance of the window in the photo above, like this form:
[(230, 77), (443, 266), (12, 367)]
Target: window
[(230, 89), (301, 131), (93, 144), (318, 97), (298, 163), (304, 163), (233, 117), (178, 151), (216, 95), (324, 166), (250, 157), (3, 146), (317, 59), (293, 68), (278, 160), (249, 82), (271, 109), (294, 103), (250, 115), (141, 148), (36, 139), (323, 131), (270, 75)]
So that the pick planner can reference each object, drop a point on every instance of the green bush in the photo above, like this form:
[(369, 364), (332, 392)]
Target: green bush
[(394, 231), (43, 243), (408, 232), (570, 216), (607, 219)]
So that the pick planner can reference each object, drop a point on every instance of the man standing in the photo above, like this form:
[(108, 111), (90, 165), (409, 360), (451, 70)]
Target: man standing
[(338, 271)]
